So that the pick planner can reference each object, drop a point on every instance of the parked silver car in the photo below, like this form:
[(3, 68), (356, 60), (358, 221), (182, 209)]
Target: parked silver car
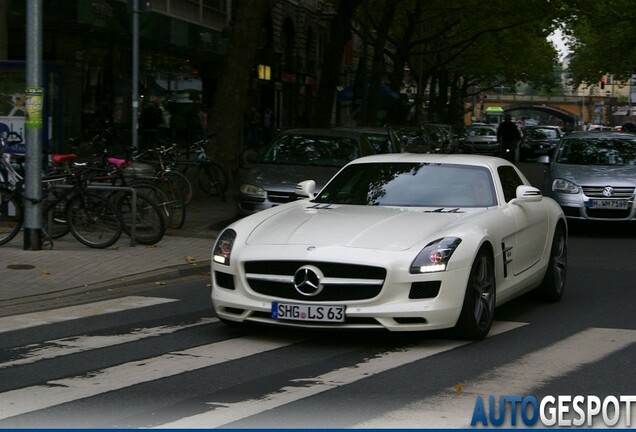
[(480, 139), (593, 175), (296, 155)]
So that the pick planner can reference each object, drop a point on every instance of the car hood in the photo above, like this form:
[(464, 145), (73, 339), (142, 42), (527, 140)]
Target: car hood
[(600, 175), (286, 177), (300, 223)]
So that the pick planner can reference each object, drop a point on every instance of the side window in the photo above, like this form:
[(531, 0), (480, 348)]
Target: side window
[(509, 181)]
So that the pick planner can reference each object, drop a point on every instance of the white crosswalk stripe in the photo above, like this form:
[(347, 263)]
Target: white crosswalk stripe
[(19, 322), (55, 392), (76, 344)]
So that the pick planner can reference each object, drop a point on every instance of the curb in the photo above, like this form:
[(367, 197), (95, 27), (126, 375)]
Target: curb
[(161, 274)]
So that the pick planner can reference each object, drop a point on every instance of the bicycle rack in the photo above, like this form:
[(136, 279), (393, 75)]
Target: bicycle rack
[(92, 186)]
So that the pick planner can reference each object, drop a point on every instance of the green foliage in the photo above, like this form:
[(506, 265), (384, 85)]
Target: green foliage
[(603, 39)]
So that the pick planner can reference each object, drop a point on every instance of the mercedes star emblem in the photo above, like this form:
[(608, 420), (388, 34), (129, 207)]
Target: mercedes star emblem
[(307, 280)]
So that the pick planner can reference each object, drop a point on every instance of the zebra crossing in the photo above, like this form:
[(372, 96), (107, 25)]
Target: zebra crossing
[(444, 409)]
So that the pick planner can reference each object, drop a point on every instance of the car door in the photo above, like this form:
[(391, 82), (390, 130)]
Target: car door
[(532, 223)]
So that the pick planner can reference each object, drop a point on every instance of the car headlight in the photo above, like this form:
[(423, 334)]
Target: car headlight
[(565, 186), (252, 190), (223, 247), (435, 256)]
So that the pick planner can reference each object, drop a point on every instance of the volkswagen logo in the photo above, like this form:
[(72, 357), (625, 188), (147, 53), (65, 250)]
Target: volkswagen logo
[(307, 280), (608, 191)]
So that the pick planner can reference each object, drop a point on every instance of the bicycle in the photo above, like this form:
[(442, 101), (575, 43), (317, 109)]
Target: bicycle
[(141, 177), (142, 212), (92, 219), (195, 163)]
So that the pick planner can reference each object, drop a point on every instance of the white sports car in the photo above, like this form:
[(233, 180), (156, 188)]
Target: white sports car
[(405, 242)]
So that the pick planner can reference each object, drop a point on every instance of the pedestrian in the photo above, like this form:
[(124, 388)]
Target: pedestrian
[(508, 137), (268, 124), (628, 127), (149, 121)]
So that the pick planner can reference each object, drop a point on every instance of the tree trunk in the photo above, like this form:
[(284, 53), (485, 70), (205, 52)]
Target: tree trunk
[(340, 33), (378, 69), (232, 95)]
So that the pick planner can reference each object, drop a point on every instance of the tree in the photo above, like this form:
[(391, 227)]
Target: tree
[(602, 39), (339, 35), (232, 95)]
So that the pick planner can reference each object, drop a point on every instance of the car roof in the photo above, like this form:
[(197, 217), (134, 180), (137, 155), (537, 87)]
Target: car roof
[(490, 162)]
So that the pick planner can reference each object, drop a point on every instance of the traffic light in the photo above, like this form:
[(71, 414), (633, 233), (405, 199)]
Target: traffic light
[(602, 82)]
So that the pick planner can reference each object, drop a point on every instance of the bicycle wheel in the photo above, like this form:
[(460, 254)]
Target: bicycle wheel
[(93, 220), (183, 183), (11, 215), (213, 179), (150, 189), (147, 219), (170, 186), (58, 226)]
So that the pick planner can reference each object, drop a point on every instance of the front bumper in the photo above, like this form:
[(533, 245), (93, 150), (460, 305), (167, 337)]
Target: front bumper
[(400, 305), (577, 207)]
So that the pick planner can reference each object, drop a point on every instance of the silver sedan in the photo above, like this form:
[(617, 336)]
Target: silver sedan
[(593, 175)]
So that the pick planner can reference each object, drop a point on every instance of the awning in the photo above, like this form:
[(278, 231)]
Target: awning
[(620, 112)]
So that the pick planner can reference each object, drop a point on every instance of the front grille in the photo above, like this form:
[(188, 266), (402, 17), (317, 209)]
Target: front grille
[(620, 192), (281, 197), (259, 277), (329, 269), (329, 292)]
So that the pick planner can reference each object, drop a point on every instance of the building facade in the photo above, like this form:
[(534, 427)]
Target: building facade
[(87, 52)]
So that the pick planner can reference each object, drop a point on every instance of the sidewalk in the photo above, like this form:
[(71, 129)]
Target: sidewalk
[(25, 275)]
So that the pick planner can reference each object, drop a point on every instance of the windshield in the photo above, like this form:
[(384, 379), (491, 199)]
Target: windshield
[(485, 131), (311, 150), (411, 184), (542, 133), (381, 143), (596, 151)]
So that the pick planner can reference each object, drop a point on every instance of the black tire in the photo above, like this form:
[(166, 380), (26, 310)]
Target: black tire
[(151, 189), (172, 185), (148, 219), (183, 183), (11, 215), (478, 310), (93, 220), (58, 226), (553, 283), (213, 180)]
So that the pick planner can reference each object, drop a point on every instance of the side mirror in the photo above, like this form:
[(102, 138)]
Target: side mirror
[(305, 189), (527, 194)]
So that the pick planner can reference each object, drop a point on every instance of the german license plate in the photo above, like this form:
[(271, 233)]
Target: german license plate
[(308, 312), (608, 204)]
